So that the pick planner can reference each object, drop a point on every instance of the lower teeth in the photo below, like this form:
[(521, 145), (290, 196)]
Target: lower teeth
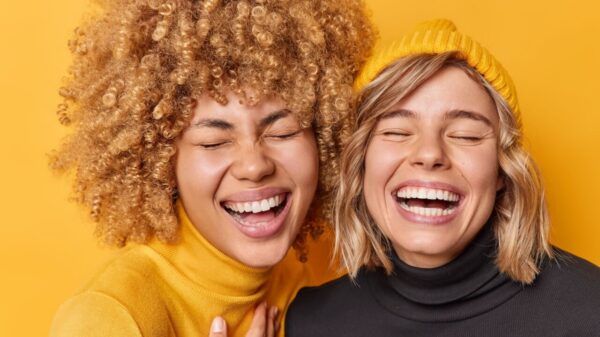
[(239, 219)]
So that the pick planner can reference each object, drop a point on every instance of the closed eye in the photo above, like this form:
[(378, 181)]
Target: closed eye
[(212, 146), (395, 133), (285, 135), (464, 139), (468, 138)]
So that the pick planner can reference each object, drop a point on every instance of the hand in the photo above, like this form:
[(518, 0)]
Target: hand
[(263, 324)]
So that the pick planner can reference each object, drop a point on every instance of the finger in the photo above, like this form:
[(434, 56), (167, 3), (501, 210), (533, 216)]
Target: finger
[(258, 328), (269, 332), (277, 322), (273, 312), (218, 328)]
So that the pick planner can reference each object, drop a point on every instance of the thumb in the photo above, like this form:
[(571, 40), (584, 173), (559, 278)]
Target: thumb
[(218, 328)]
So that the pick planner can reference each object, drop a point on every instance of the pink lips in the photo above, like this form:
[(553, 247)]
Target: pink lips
[(433, 220), (266, 229)]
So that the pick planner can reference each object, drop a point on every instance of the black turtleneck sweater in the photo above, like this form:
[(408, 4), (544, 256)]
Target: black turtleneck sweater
[(467, 297)]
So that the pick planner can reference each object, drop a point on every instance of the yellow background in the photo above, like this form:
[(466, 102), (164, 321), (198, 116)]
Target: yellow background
[(46, 246)]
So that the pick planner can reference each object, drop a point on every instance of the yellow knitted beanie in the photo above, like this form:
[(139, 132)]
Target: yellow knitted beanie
[(436, 37)]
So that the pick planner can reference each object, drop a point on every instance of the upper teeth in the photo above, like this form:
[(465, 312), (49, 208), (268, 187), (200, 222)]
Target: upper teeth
[(255, 206), (427, 193)]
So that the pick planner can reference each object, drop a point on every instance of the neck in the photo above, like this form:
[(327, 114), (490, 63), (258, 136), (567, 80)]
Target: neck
[(205, 265), (423, 261), (446, 282), (468, 285)]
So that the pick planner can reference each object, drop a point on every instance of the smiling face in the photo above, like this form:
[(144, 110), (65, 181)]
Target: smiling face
[(246, 177), (431, 168)]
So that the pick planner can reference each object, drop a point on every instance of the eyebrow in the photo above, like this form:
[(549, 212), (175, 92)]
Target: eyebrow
[(214, 123), (224, 125), (452, 114), (456, 114), (399, 113), (273, 117)]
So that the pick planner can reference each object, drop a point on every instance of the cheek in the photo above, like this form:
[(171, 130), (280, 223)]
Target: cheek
[(480, 168), (382, 161), (300, 160), (198, 172)]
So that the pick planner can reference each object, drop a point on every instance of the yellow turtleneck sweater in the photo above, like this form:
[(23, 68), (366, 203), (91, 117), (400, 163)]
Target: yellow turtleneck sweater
[(176, 290)]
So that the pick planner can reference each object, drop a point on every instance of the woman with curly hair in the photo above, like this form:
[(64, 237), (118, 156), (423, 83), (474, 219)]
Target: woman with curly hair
[(440, 216), (205, 137)]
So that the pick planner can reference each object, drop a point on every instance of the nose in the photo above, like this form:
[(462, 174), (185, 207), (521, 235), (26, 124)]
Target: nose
[(429, 153), (253, 163)]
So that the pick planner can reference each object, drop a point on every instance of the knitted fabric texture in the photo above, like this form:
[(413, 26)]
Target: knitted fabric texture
[(158, 289), (436, 37)]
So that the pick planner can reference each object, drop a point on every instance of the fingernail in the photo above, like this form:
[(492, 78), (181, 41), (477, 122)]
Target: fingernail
[(217, 325), (275, 312)]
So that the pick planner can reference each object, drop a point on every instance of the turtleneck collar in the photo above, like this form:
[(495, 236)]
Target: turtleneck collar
[(207, 267), (467, 286)]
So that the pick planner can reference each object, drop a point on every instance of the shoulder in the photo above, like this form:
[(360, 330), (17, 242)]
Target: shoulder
[(568, 269), (93, 314), (124, 296), (316, 310), (330, 292), (567, 287), (135, 270)]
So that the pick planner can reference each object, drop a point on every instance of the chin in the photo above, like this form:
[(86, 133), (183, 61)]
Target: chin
[(421, 247), (264, 254)]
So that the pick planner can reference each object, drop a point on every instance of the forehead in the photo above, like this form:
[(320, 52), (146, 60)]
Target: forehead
[(207, 107), (450, 89)]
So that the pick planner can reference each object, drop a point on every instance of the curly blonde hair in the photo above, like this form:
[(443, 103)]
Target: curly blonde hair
[(520, 218), (138, 64)]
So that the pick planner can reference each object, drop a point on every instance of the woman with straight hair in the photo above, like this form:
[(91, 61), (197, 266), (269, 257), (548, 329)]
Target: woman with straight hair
[(204, 138), (440, 216)]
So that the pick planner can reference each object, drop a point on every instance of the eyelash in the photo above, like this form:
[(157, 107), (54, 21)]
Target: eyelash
[(212, 146), (285, 136), (396, 133), (406, 134), (470, 139), (282, 137)]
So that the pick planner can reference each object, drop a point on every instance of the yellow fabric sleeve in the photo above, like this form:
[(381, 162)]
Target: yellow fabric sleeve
[(92, 314)]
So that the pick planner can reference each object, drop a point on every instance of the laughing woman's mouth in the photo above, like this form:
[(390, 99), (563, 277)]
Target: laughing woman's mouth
[(259, 218), (250, 213), (427, 202)]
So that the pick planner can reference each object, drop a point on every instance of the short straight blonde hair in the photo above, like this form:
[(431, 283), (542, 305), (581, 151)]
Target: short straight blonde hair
[(520, 217)]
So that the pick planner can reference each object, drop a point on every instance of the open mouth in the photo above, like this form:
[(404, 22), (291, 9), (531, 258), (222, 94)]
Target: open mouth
[(258, 212), (428, 202)]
